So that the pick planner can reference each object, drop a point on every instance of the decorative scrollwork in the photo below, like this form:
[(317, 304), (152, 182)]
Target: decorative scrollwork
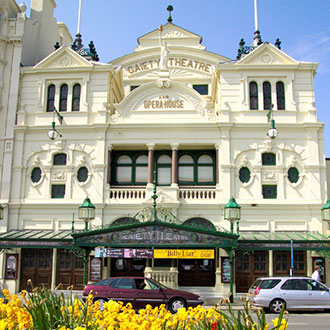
[(144, 215), (163, 215)]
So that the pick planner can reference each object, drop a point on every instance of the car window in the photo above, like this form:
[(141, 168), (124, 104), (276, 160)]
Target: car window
[(294, 284), (123, 283), (315, 286), (151, 285), (268, 284), (255, 284), (106, 282)]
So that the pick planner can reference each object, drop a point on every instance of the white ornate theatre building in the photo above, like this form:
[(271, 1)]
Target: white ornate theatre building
[(199, 121)]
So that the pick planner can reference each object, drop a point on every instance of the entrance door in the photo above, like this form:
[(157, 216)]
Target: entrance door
[(36, 266), (70, 270), (127, 267), (196, 272), (282, 263), (249, 266)]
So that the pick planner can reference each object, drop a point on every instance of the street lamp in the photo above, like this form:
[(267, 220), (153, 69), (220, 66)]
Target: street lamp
[(1, 212), (325, 212), (272, 132), (232, 214), (86, 212), (53, 134)]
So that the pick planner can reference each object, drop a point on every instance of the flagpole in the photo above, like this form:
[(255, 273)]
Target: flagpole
[(79, 17), (255, 16)]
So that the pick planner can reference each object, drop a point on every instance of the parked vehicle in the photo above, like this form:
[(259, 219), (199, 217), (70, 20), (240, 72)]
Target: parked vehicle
[(140, 291), (293, 292)]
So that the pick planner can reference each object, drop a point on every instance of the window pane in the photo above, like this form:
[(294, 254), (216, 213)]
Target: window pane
[(63, 97), (186, 159), (141, 174), (280, 95), (164, 159), (205, 159), (36, 175), (253, 96), (50, 98), (268, 159), (267, 95), (186, 174), (205, 174), (164, 176), (76, 97), (269, 191), (293, 175), (143, 159), (58, 190), (244, 174), (60, 159), (82, 174), (124, 160), (124, 174), (201, 89)]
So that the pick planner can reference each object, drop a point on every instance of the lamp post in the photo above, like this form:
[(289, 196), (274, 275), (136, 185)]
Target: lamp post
[(53, 134), (1, 212), (232, 214), (325, 212), (86, 212)]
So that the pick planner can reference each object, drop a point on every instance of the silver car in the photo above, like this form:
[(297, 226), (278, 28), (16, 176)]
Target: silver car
[(294, 292)]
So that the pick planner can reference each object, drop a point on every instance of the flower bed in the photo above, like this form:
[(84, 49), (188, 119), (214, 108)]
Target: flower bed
[(45, 310)]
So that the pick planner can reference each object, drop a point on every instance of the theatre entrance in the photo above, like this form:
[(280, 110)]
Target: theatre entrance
[(197, 272), (127, 267)]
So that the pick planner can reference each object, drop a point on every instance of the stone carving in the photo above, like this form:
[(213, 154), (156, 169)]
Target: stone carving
[(59, 176), (164, 51), (164, 83), (64, 61), (269, 175)]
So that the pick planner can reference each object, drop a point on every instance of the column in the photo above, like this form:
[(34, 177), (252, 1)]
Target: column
[(270, 263), (175, 147), (151, 160), (109, 164), (217, 167), (54, 269)]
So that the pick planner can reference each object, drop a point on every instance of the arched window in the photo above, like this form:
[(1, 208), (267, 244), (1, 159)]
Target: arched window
[(268, 159), (200, 223), (123, 170), (267, 92), (244, 174), (254, 96), (76, 97), (63, 97), (186, 169), (205, 169), (141, 170), (59, 159), (50, 98), (164, 170), (280, 95)]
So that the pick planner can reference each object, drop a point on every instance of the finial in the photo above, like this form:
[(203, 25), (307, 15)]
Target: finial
[(57, 45), (257, 38), (240, 49), (278, 43), (169, 9)]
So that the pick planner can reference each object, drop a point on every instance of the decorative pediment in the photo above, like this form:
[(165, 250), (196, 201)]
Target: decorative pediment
[(173, 35), (62, 58), (163, 99), (267, 54)]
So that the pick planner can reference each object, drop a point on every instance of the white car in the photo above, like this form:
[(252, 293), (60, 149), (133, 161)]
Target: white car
[(293, 292)]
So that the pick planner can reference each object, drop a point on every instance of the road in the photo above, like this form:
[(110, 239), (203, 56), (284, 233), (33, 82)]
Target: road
[(306, 320)]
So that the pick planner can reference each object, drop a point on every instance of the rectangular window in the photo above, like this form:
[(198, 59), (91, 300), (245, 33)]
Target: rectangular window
[(201, 89), (269, 191), (58, 190)]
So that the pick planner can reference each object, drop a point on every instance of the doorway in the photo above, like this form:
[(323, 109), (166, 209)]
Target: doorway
[(196, 272)]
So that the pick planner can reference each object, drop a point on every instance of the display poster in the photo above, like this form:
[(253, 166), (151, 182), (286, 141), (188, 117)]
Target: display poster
[(225, 270), (95, 269), (183, 254), (11, 266)]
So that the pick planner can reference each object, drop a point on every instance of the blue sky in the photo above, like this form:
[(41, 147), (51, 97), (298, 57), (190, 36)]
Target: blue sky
[(303, 26)]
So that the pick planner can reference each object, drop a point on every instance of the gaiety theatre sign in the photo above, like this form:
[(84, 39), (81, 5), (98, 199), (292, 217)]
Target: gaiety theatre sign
[(172, 62)]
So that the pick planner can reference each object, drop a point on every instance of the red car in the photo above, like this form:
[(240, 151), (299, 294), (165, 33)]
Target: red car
[(140, 291)]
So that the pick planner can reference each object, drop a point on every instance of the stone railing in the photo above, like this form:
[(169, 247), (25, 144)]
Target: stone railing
[(197, 194), (127, 194), (167, 277)]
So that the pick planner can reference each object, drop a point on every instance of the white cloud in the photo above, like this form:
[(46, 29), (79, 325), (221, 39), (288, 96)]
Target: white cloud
[(313, 48)]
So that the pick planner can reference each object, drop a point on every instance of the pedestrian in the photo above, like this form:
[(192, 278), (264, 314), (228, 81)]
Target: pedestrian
[(316, 274)]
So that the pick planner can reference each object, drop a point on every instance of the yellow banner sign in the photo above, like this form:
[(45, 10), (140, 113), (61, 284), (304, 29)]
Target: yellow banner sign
[(183, 254)]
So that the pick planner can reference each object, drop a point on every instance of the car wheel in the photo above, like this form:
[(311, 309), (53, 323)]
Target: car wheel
[(102, 302), (175, 304), (276, 305)]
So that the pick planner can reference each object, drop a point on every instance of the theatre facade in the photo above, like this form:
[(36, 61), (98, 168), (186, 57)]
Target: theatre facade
[(160, 140)]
